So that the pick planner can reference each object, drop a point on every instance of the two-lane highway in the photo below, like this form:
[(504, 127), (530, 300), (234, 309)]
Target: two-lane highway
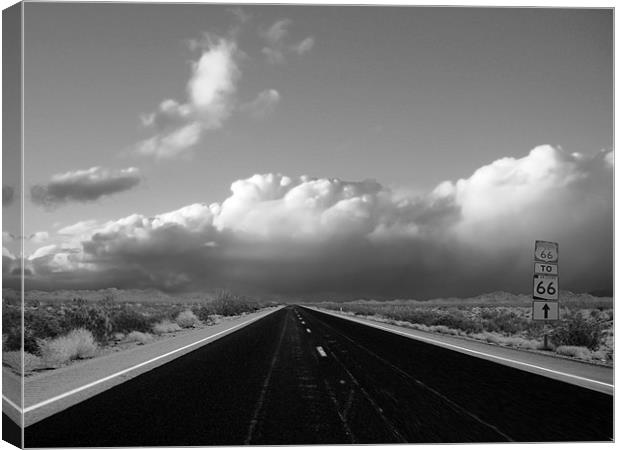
[(299, 376)]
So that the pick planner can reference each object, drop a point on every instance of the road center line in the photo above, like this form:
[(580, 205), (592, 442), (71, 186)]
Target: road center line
[(308, 330), (476, 352), (321, 352), (129, 369)]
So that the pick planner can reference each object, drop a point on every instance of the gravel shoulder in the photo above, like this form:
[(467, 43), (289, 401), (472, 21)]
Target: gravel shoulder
[(48, 392), (591, 376)]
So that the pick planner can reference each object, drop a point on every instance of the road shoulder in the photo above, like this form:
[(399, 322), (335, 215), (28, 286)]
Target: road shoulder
[(50, 392)]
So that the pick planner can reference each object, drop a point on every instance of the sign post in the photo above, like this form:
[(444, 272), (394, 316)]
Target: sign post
[(545, 289)]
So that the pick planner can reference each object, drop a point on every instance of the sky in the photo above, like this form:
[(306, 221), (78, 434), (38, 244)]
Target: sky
[(345, 151)]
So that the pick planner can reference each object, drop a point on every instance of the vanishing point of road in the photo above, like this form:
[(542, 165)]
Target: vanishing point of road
[(299, 376)]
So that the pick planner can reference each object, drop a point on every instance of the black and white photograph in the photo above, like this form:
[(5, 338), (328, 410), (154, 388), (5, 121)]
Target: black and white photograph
[(229, 224)]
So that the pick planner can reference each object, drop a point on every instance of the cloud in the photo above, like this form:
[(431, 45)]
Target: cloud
[(7, 195), (263, 105), (214, 82), (177, 128), (273, 55), (172, 144), (240, 15), (9, 262), (84, 185), (304, 46), (275, 34), (78, 228), (307, 236), (276, 43), (39, 237)]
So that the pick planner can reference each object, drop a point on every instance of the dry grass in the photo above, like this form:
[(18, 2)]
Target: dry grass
[(165, 326), (509, 341), (187, 319), (78, 344), (139, 337), (574, 352), (13, 360)]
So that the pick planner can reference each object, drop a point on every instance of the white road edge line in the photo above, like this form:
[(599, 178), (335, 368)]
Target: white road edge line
[(10, 402), (475, 352), (129, 369), (321, 352)]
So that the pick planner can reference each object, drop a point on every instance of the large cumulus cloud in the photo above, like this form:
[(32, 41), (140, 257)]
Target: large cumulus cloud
[(317, 236)]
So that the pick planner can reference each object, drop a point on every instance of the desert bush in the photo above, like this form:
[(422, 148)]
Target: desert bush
[(126, 320), (138, 336), (78, 344), (95, 319), (165, 326), (118, 336), (578, 331), (187, 319), (228, 304), (457, 320), (41, 325), (11, 328), (79, 302), (206, 313), (506, 322)]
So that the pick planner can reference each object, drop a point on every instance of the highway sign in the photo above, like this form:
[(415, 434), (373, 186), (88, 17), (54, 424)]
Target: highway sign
[(546, 252), (546, 287), (545, 268), (545, 311)]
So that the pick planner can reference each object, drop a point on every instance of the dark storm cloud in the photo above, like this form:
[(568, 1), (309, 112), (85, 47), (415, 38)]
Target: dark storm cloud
[(7, 195), (84, 185), (305, 236)]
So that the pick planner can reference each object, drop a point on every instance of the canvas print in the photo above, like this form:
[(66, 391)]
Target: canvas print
[(242, 224)]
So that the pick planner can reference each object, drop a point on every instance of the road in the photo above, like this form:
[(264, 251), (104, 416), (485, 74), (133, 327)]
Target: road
[(299, 376)]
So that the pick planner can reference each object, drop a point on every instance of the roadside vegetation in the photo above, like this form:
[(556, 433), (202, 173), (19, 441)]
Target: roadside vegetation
[(58, 332), (584, 331)]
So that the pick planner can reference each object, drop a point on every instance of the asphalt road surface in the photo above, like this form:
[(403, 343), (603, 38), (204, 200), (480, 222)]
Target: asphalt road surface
[(299, 376), (11, 432)]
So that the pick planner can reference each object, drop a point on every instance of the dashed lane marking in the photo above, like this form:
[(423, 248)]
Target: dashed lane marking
[(416, 381), (308, 330), (321, 352)]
